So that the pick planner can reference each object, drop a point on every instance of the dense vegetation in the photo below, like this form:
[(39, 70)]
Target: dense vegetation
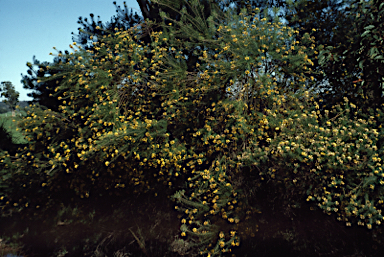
[(215, 150)]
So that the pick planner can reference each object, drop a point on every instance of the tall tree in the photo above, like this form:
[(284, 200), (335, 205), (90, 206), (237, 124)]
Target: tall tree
[(330, 18), (91, 30), (8, 91), (42, 90), (89, 33), (364, 52)]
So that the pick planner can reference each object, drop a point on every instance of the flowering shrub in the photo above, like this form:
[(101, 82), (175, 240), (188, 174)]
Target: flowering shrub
[(125, 131)]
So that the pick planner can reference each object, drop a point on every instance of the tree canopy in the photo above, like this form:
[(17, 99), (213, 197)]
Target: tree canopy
[(8, 91)]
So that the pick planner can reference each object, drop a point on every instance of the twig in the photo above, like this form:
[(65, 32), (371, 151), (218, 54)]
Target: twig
[(141, 244)]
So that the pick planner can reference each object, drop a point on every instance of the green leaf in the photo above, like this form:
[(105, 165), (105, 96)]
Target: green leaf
[(373, 52), (309, 189), (6, 176), (194, 3), (379, 57), (369, 27), (365, 33), (361, 64)]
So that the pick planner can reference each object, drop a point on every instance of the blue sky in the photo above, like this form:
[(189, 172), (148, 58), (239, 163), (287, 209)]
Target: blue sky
[(33, 27)]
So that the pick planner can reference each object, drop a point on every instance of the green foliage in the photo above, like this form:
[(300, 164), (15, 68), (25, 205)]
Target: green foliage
[(210, 188), (129, 124), (42, 91), (9, 92), (10, 136), (363, 51), (91, 30), (338, 78), (87, 34), (4, 108), (10, 249)]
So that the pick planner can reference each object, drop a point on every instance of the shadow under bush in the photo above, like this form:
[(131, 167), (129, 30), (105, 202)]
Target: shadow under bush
[(105, 225)]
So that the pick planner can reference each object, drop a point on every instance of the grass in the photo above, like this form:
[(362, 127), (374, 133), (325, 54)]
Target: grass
[(6, 119), (10, 249)]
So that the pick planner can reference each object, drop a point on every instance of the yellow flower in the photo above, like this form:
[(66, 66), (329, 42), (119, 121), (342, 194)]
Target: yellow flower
[(221, 235), (183, 234)]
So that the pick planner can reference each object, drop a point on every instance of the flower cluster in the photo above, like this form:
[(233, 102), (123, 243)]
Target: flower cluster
[(132, 117)]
